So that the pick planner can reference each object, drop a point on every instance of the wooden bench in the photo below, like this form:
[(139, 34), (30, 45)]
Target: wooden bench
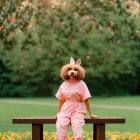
[(37, 125)]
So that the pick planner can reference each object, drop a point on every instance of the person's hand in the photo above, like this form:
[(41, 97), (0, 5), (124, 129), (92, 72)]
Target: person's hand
[(54, 117), (93, 116)]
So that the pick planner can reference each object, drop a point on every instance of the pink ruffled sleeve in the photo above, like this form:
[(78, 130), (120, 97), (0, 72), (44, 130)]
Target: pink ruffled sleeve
[(59, 94), (85, 92)]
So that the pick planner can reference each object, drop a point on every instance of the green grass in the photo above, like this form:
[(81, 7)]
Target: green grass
[(122, 101), (8, 111)]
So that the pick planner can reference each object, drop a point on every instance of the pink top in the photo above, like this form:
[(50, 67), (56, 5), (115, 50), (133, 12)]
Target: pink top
[(74, 93)]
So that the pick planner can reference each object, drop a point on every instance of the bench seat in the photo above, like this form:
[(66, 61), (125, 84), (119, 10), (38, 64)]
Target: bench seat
[(37, 125)]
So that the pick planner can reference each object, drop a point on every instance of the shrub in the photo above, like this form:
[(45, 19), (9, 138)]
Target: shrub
[(104, 34)]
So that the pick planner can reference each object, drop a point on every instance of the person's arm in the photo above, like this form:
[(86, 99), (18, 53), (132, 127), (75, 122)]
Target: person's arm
[(59, 108), (88, 108), (60, 105)]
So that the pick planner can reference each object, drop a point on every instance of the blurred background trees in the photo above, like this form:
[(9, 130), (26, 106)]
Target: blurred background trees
[(38, 37)]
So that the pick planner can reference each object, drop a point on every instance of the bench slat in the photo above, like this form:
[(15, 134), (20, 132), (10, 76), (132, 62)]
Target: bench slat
[(51, 120)]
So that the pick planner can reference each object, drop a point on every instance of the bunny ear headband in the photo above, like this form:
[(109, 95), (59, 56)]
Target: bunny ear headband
[(72, 61)]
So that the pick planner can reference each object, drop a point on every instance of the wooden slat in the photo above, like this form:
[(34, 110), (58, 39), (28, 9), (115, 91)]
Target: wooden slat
[(102, 120), (50, 120)]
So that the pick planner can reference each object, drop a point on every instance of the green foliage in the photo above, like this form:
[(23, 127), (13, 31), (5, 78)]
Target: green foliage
[(39, 38), (10, 87)]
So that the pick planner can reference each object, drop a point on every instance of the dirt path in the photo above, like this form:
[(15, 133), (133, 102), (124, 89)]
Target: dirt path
[(56, 104)]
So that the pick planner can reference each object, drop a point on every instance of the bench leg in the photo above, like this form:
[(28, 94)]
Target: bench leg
[(99, 132), (37, 131)]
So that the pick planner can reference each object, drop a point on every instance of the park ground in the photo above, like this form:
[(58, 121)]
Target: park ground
[(127, 107)]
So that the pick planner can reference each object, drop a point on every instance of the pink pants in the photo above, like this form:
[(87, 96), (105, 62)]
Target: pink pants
[(62, 124)]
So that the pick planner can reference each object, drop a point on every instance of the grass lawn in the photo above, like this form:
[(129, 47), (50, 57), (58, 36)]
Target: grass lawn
[(12, 110)]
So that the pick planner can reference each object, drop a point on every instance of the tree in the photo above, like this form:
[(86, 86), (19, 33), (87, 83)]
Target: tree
[(104, 34)]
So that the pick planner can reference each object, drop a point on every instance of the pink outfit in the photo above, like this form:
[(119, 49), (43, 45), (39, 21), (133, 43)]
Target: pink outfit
[(73, 110)]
